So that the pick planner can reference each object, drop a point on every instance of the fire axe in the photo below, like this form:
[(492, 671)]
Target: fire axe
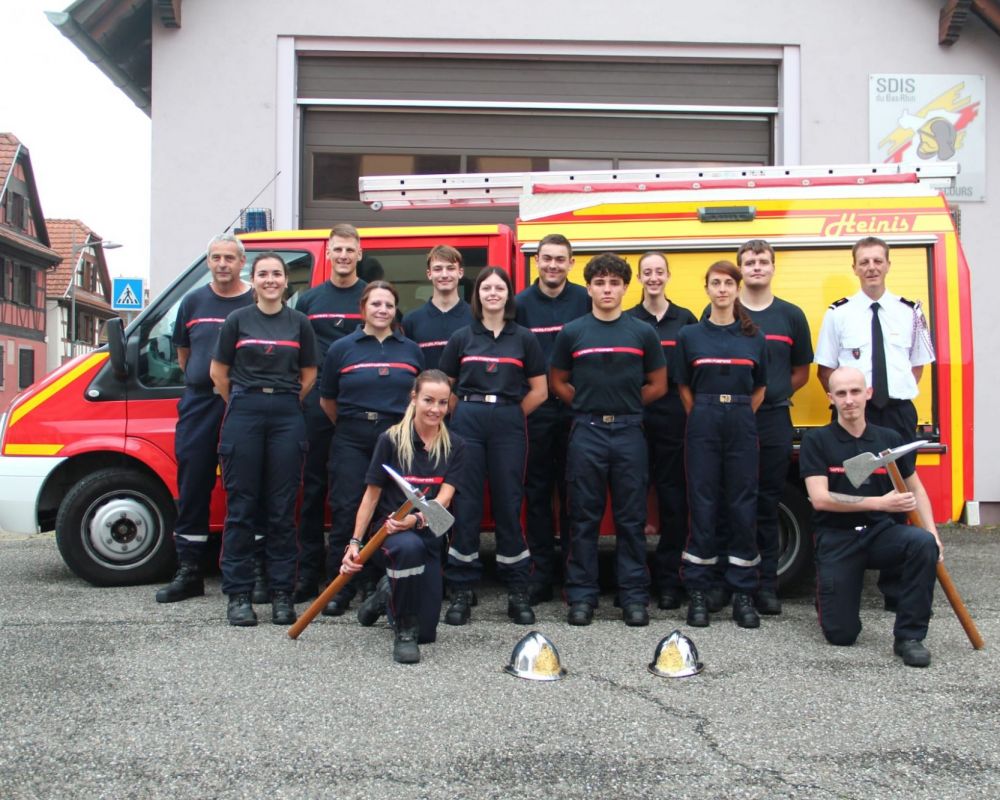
[(437, 517), (858, 469)]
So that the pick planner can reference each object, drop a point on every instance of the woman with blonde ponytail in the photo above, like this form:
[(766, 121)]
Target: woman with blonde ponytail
[(420, 448), (721, 371)]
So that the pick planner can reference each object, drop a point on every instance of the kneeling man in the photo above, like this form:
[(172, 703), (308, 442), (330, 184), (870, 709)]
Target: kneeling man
[(859, 529)]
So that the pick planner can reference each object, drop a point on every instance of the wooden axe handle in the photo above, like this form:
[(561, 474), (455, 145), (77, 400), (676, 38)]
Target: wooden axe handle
[(343, 578), (942, 573)]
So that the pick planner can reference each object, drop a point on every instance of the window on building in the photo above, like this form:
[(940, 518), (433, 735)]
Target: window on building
[(3, 366), (5, 266), (14, 213), (25, 368), (24, 285)]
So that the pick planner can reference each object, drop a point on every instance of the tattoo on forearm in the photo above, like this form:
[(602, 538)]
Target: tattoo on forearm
[(846, 498)]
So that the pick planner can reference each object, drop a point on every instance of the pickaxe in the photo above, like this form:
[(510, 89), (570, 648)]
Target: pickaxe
[(859, 468), (437, 517)]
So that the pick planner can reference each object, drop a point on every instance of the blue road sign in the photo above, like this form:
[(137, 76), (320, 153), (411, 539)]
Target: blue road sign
[(126, 294)]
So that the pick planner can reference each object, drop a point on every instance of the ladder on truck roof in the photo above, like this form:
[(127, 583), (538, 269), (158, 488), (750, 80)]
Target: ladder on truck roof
[(508, 188)]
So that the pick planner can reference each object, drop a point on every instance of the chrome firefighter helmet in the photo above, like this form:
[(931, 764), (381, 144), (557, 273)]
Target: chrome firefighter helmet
[(675, 657), (535, 658)]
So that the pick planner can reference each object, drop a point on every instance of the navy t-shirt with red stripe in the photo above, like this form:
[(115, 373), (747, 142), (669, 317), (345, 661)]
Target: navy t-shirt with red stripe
[(333, 312), (422, 473), (607, 362), (824, 451), (363, 374), (199, 319), (719, 359), (266, 350), (430, 328), (483, 364), (667, 328), (545, 316)]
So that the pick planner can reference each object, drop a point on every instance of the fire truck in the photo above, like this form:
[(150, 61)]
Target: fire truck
[(88, 450)]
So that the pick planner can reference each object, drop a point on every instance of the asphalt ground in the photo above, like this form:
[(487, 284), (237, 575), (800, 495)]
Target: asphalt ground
[(106, 694)]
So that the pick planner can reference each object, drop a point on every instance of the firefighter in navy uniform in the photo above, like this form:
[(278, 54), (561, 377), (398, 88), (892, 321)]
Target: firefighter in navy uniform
[(789, 353), (200, 410), (606, 366), (422, 450), (722, 374), (543, 308), (886, 337), (490, 362), (433, 323), (264, 365), (367, 378), (332, 308), (863, 528), (664, 421)]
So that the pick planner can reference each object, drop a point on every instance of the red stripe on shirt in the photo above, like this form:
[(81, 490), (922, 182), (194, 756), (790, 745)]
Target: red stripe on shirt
[(735, 362), (265, 342), (434, 480), (549, 329), (589, 351), (334, 316), (191, 323), (432, 344), (490, 360), (841, 471), (668, 342), (774, 337), (380, 364)]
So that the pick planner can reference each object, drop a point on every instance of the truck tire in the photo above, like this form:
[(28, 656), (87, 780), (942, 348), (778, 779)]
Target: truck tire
[(795, 553), (113, 528)]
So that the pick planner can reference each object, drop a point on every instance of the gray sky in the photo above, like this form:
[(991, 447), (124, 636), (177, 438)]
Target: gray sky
[(89, 143)]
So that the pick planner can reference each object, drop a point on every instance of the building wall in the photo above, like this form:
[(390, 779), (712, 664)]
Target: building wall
[(12, 347), (220, 85)]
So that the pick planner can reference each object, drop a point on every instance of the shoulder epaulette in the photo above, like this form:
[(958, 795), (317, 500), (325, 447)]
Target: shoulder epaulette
[(838, 303), (910, 303)]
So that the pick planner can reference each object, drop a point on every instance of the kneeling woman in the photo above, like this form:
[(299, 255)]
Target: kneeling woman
[(264, 364), (422, 451)]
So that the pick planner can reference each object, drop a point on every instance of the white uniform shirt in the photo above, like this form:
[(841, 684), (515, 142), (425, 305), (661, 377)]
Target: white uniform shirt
[(845, 340)]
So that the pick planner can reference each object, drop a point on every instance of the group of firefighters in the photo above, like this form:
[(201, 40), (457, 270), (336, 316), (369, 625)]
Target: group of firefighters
[(556, 392)]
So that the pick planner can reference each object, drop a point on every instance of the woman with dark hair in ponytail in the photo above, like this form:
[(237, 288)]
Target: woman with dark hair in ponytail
[(421, 449), (722, 374)]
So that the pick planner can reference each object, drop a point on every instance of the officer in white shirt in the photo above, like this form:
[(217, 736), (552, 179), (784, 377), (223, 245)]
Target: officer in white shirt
[(853, 329), (886, 337)]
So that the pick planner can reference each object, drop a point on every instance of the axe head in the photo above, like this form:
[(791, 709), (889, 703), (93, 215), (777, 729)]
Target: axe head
[(438, 518), (859, 467)]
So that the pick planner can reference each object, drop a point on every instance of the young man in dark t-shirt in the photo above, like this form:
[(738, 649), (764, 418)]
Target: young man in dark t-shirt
[(334, 309), (433, 323), (606, 366), (200, 410), (544, 308)]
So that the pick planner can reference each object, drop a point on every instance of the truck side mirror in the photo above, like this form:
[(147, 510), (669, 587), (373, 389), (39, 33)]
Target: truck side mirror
[(115, 330)]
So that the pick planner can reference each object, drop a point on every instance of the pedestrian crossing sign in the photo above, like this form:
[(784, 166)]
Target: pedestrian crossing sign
[(126, 294)]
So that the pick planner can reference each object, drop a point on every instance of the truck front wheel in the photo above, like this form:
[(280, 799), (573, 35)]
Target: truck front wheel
[(795, 548), (113, 526)]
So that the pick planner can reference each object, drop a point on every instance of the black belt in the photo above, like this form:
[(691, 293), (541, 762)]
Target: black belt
[(609, 419), (372, 416), (494, 399), (266, 390), (722, 399)]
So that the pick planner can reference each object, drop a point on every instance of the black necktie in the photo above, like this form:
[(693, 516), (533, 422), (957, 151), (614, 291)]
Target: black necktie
[(880, 378)]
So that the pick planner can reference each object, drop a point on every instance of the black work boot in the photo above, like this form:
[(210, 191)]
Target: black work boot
[(670, 598), (697, 609), (636, 615), (186, 583), (717, 598), (282, 608), (337, 606), (767, 603), (744, 613), (306, 588), (460, 609), (519, 607), (405, 649), (261, 589), (375, 604), (580, 614), (913, 652), (240, 612)]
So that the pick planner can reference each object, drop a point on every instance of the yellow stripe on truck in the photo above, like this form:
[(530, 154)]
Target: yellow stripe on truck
[(33, 403), (32, 449), (955, 370)]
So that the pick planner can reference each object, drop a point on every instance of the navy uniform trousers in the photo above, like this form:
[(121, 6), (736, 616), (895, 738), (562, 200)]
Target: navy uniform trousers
[(665, 437), (196, 445), (412, 560), (548, 434), (496, 444), (605, 456), (262, 449), (312, 513), (722, 470), (774, 433), (842, 556), (350, 455)]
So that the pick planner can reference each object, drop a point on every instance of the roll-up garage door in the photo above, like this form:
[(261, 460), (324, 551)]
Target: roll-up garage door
[(377, 116)]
